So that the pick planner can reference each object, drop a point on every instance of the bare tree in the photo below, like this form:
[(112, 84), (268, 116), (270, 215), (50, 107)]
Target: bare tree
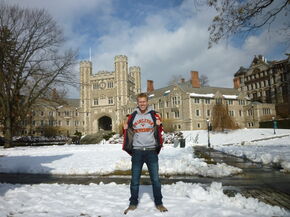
[(221, 119), (168, 125), (32, 62), (236, 16), (174, 79), (204, 82)]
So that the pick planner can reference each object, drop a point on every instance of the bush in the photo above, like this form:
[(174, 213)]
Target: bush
[(108, 136), (39, 140), (168, 125), (49, 131), (96, 137)]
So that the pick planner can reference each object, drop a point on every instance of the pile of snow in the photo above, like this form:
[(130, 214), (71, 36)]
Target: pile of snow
[(181, 199), (180, 161), (115, 139), (102, 159), (170, 138), (273, 151)]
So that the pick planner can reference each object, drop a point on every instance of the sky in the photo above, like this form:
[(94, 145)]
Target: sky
[(165, 38)]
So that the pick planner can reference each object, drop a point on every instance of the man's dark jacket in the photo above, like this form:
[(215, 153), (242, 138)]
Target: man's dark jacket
[(129, 133)]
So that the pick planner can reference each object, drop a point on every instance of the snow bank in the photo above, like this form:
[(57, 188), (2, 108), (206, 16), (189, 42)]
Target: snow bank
[(274, 151), (102, 159), (181, 199), (176, 161), (230, 137)]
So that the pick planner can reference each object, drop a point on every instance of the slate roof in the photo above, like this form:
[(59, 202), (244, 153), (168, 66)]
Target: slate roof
[(187, 87), (73, 102), (241, 71)]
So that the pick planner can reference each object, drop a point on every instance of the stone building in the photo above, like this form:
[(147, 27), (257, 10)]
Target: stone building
[(188, 105), (66, 118), (266, 82), (107, 97)]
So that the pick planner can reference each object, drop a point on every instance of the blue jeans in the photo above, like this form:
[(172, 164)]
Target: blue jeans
[(140, 157)]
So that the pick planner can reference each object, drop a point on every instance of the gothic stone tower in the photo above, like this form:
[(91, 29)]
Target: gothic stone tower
[(135, 72), (105, 95), (85, 74)]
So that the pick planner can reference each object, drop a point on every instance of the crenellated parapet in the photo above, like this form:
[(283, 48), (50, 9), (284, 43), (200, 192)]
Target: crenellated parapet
[(134, 68), (103, 72), (121, 58), (85, 64)]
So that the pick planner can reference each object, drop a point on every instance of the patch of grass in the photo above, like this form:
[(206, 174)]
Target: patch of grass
[(206, 156)]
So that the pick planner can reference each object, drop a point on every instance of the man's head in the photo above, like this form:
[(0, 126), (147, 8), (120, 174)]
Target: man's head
[(142, 101)]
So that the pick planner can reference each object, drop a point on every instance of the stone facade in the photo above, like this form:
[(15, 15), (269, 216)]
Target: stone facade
[(107, 97), (189, 108), (65, 117), (266, 82)]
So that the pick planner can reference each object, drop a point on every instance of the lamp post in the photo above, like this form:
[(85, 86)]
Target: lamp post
[(208, 128), (274, 124), (253, 113)]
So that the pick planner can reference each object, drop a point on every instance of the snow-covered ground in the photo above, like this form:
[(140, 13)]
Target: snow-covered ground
[(181, 199), (103, 159), (199, 137), (271, 149)]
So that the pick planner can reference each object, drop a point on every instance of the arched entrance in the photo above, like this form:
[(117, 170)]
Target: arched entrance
[(105, 123)]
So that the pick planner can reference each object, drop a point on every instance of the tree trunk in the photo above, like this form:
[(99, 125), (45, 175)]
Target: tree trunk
[(8, 132)]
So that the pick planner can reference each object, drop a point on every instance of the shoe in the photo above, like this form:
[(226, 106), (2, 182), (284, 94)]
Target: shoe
[(161, 208), (130, 208)]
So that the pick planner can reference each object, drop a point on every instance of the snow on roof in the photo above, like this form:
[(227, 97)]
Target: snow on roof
[(211, 95), (230, 96), (166, 92), (208, 95)]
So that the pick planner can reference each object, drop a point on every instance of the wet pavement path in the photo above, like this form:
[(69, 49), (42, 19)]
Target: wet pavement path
[(264, 183)]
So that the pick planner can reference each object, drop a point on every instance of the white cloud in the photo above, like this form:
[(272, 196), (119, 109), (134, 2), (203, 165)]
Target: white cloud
[(168, 42), (162, 53), (263, 43), (67, 9)]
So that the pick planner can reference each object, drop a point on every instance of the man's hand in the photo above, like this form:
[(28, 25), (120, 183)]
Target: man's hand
[(125, 124), (158, 121)]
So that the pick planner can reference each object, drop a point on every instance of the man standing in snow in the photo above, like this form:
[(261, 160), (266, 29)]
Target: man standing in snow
[(143, 141)]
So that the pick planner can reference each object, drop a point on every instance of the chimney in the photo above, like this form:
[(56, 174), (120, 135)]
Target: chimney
[(182, 80), (195, 79), (150, 86), (237, 82)]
